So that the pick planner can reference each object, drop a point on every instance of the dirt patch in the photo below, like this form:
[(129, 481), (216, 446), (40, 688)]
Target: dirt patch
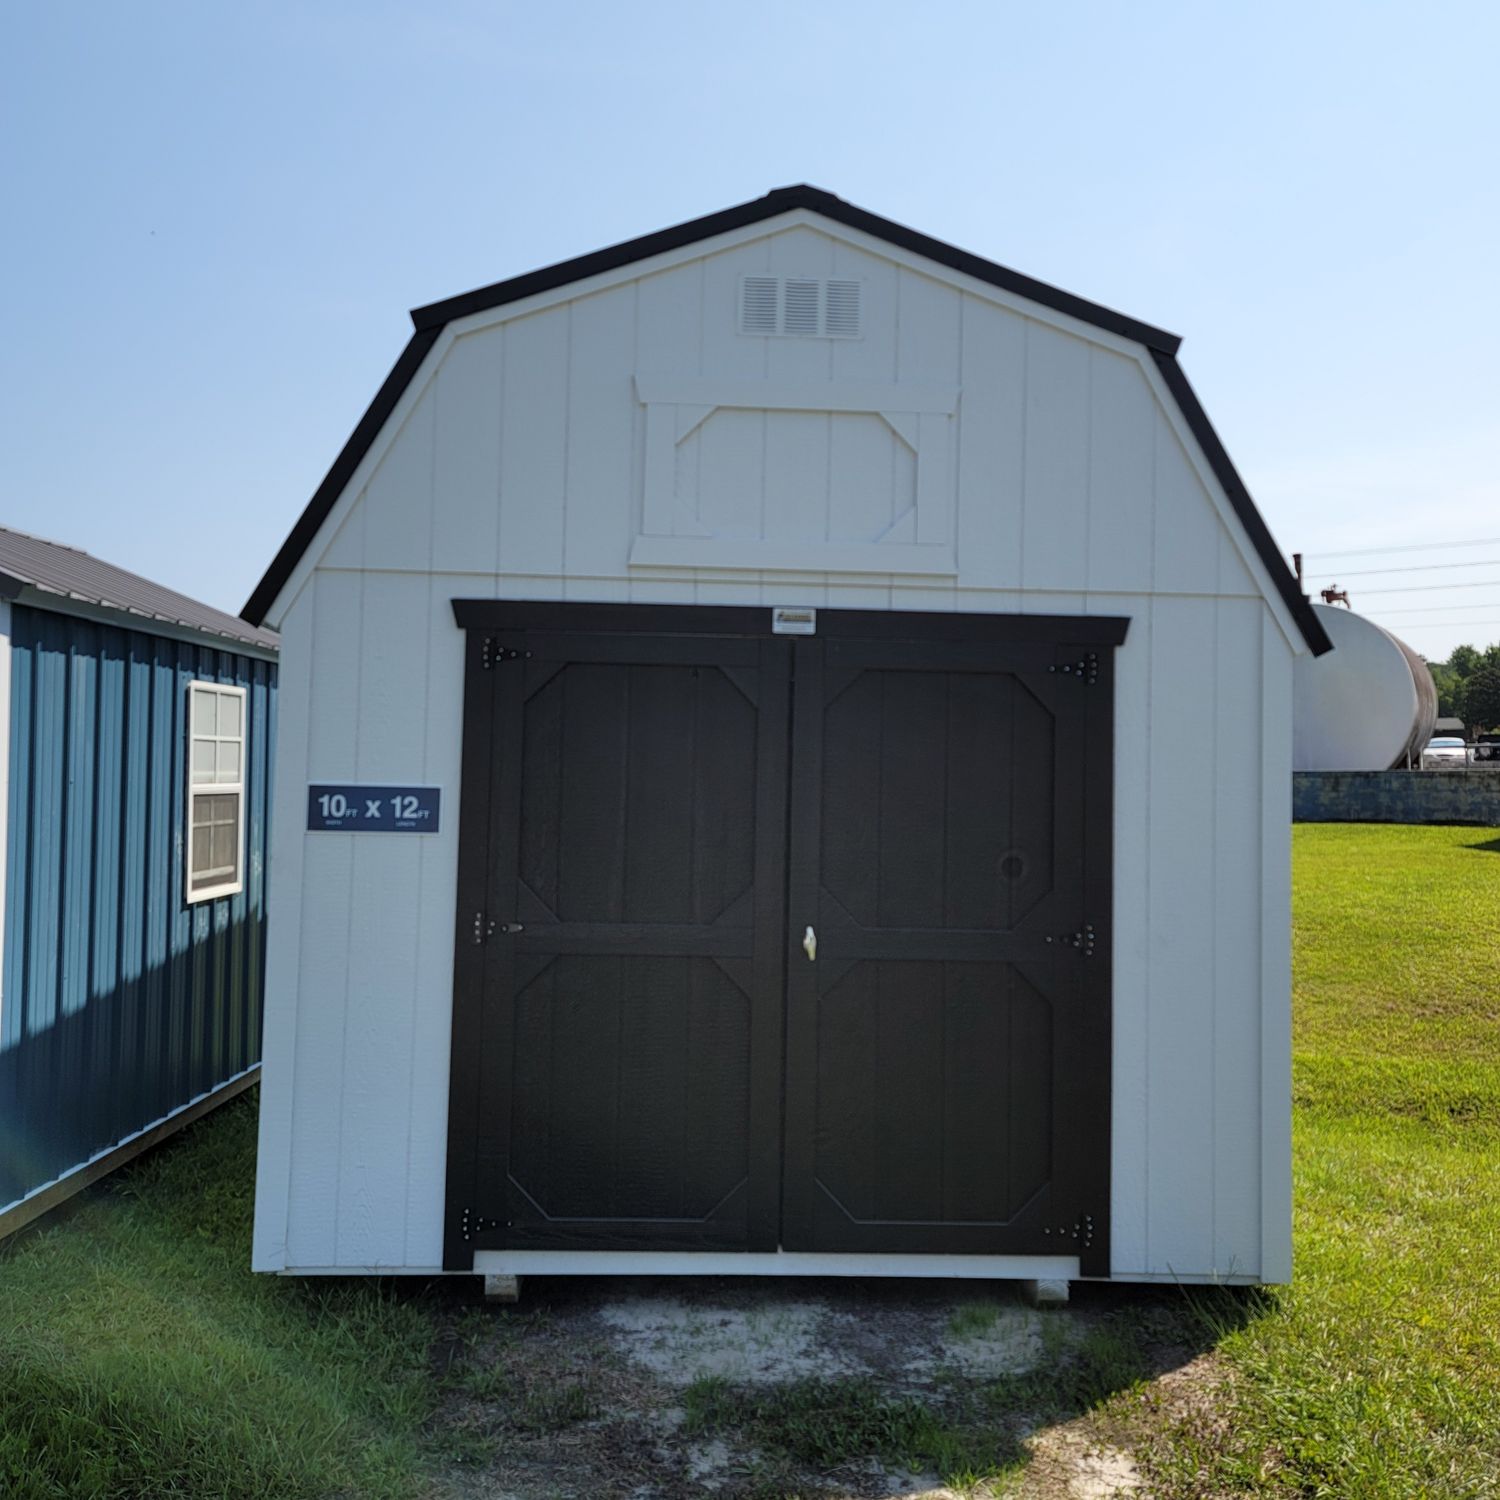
[(1070, 1460), (680, 1341), (766, 1390)]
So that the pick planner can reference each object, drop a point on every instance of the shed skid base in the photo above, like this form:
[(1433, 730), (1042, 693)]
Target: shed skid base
[(1043, 1269), (1045, 1292), (502, 1288)]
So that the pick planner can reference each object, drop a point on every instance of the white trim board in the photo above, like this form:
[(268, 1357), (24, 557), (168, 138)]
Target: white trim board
[(770, 1263)]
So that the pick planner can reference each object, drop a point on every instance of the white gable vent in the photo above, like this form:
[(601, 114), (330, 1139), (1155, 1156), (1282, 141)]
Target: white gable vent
[(800, 306)]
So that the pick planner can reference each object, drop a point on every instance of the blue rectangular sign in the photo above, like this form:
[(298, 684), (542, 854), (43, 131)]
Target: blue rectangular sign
[(372, 809)]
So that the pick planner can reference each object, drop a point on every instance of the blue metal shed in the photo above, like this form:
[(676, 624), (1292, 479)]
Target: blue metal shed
[(134, 784)]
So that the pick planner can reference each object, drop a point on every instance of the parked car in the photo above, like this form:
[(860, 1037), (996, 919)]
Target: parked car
[(1487, 747), (1445, 751)]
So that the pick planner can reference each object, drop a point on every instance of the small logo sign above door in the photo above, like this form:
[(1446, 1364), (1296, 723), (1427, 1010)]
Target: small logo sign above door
[(372, 809), (786, 621)]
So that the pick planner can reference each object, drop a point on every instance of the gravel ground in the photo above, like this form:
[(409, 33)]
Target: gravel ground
[(583, 1390)]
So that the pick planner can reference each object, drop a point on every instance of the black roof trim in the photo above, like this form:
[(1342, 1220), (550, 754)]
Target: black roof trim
[(430, 320), (781, 201), (1244, 507)]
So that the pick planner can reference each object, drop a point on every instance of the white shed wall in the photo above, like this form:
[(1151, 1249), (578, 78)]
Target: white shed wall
[(518, 467)]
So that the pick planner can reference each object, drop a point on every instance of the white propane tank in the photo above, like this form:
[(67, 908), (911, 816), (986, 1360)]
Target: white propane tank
[(1365, 705)]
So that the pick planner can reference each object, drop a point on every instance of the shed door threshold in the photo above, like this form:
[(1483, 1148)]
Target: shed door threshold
[(770, 1263)]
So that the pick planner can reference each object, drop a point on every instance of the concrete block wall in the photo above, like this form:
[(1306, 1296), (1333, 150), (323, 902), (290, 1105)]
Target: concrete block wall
[(1467, 796)]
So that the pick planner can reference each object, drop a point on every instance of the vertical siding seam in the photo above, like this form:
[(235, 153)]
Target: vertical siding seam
[(956, 486), (436, 390), (353, 862), (702, 268), (25, 866), (1213, 960), (504, 360), (65, 816), (702, 324), (295, 962), (122, 851), (1260, 957), (1155, 498), (96, 1004), (567, 441), (635, 501), (1088, 474), (1025, 477), (1148, 1050), (423, 864)]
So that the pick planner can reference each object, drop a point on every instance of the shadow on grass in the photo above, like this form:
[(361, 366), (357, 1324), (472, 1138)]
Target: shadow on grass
[(1489, 846)]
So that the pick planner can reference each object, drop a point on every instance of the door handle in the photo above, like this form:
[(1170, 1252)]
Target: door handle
[(810, 945)]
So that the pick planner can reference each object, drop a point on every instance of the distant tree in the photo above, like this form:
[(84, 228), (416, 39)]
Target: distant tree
[(1483, 697), (1452, 691), (1465, 661)]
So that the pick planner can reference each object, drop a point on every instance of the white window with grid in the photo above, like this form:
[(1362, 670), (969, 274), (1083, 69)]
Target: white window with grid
[(216, 791)]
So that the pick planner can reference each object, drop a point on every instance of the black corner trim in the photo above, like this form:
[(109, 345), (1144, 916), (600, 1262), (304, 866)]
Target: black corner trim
[(1244, 507)]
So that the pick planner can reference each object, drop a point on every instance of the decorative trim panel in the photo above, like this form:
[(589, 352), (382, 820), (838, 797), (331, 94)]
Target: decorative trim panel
[(693, 494)]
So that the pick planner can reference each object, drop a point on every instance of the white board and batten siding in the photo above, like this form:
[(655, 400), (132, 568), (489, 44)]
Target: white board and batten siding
[(621, 440)]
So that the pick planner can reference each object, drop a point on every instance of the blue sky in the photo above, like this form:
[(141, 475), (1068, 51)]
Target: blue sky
[(216, 217)]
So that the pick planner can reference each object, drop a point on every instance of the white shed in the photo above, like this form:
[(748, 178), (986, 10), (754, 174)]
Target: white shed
[(784, 766)]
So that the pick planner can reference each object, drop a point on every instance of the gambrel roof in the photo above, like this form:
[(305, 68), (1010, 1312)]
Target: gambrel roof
[(430, 321)]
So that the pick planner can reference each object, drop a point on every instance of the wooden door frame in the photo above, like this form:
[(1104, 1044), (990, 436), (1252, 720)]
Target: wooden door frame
[(493, 626)]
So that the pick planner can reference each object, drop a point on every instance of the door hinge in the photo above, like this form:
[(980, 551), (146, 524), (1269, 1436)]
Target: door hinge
[(1081, 1231), (485, 929), (1082, 939), (1085, 669), (492, 653), (471, 1223)]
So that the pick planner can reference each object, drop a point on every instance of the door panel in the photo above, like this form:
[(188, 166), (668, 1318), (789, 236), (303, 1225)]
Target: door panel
[(948, 1029), (932, 1093), (627, 1018), (631, 1092)]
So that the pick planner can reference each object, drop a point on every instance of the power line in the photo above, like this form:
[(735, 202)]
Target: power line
[(1433, 588), (1336, 573), (1433, 609), (1486, 541)]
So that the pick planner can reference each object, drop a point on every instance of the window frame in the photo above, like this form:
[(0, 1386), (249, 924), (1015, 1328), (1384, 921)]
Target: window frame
[(236, 884)]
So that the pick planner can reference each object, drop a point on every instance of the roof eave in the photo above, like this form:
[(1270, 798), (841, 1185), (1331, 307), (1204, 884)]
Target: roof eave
[(1244, 505)]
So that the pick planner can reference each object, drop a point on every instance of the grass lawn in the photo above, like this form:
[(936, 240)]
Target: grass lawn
[(1377, 1373), (138, 1357)]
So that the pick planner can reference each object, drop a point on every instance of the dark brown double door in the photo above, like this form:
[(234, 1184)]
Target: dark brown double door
[(772, 941)]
